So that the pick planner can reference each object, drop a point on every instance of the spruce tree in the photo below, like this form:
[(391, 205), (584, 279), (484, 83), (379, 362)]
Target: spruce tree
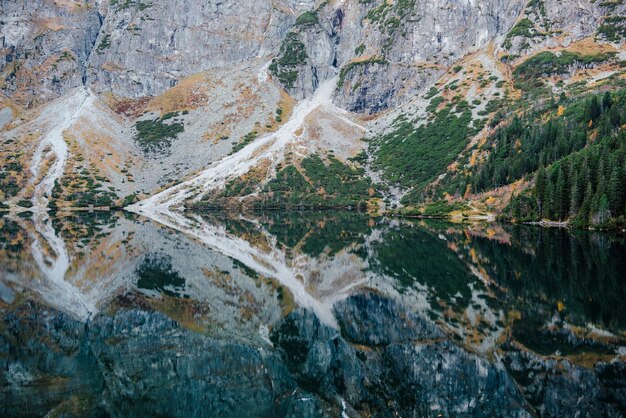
[(584, 213), (594, 109), (549, 204), (616, 189), (606, 101), (541, 188), (576, 194), (560, 196), (604, 212)]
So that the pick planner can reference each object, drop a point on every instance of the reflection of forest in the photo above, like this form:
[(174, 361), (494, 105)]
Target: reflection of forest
[(581, 274)]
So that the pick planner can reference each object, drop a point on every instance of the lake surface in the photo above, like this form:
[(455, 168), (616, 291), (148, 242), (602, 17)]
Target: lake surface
[(308, 314)]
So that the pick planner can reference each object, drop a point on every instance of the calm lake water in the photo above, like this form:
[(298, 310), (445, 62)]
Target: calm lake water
[(301, 314)]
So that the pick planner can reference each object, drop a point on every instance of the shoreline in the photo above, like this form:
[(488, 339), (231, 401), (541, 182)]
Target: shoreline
[(322, 208)]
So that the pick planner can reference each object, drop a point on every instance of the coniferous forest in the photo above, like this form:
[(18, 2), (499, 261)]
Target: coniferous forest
[(578, 155)]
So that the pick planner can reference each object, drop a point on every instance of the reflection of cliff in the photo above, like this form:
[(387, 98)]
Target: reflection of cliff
[(366, 316), (314, 282), (136, 363), (109, 254)]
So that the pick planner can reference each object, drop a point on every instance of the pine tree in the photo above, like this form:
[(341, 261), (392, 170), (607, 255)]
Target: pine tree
[(616, 189), (584, 212), (549, 204), (576, 193), (607, 102), (594, 109), (603, 213), (560, 195), (541, 188)]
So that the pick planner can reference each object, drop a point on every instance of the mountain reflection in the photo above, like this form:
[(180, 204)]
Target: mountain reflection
[(212, 306), (468, 277)]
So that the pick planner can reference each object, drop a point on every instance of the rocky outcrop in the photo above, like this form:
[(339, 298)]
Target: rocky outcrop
[(556, 387), (554, 23), (396, 363), (418, 41), (386, 52), (45, 47), (146, 47)]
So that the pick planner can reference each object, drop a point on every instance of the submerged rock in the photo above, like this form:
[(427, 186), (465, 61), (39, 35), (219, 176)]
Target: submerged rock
[(46, 364), (387, 360), (386, 372), (556, 387)]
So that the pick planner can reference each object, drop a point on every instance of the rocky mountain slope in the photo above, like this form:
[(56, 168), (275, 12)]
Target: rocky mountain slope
[(468, 109), (177, 86)]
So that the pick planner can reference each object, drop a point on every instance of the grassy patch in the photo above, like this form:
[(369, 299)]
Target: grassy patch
[(528, 75), (307, 18)]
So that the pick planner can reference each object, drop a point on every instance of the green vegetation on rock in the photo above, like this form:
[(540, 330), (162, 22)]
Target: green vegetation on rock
[(413, 157), (292, 55), (529, 74), (345, 70), (332, 184), (154, 135), (318, 184), (613, 28), (307, 18)]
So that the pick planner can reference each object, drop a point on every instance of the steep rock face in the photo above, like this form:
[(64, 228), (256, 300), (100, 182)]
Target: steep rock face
[(144, 48), (553, 23), (389, 51), (193, 374), (45, 47), (414, 43), (46, 363)]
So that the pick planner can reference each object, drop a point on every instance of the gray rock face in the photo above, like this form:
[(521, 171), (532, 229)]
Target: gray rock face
[(552, 23), (399, 48), (409, 35), (6, 116), (144, 48), (137, 49), (396, 83), (559, 388), (392, 373), (46, 46)]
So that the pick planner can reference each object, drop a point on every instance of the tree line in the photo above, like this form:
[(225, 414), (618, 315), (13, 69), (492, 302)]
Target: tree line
[(585, 188), (523, 146)]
